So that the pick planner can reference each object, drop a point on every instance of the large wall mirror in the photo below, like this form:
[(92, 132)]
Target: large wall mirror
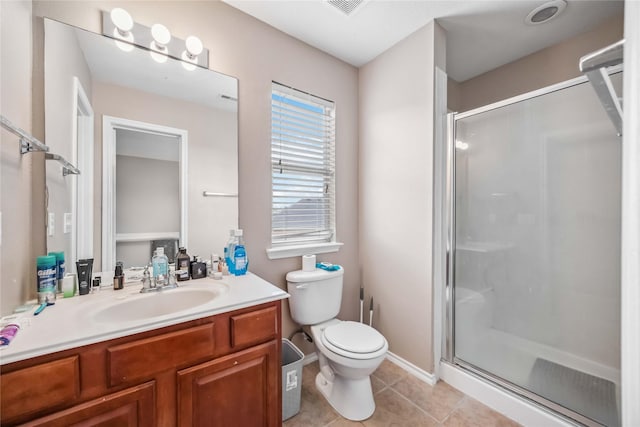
[(156, 145)]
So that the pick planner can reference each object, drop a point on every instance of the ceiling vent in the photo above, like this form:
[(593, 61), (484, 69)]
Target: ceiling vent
[(545, 12), (348, 7)]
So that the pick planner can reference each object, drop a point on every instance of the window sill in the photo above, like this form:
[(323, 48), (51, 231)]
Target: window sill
[(279, 252)]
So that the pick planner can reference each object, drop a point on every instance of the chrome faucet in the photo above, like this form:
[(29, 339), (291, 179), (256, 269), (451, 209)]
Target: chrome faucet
[(150, 285)]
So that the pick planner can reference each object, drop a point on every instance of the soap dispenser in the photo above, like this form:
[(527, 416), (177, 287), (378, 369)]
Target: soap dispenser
[(160, 264)]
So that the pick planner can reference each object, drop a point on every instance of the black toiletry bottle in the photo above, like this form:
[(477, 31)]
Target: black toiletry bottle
[(84, 268), (198, 268), (118, 277), (183, 265)]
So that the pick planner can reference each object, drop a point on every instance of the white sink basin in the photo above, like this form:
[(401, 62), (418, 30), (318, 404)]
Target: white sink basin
[(151, 305)]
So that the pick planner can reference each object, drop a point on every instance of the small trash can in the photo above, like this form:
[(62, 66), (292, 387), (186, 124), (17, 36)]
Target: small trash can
[(292, 359)]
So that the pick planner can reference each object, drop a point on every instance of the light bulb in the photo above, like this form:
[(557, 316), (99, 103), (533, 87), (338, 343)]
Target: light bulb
[(194, 46), (157, 54), (190, 56), (126, 47), (188, 63), (123, 25), (122, 20), (161, 36)]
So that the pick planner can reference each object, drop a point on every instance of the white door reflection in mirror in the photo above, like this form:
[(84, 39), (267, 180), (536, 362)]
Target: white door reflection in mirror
[(144, 189), (82, 149)]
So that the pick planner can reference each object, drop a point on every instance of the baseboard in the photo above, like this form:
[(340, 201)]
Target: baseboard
[(419, 373), (396, 360)]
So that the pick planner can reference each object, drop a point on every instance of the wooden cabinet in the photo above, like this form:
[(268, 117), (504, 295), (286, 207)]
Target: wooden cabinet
[(232, 390), (127, 408), (221, 370)]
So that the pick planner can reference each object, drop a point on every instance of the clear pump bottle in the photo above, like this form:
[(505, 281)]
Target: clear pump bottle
[(229, 251), (160, 264)]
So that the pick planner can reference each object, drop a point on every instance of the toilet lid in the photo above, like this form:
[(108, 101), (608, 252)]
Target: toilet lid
[(354, 337)]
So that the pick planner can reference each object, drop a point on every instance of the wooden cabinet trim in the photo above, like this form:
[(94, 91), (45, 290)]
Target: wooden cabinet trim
[(38, 388), (131, 407), (93, 371), (254, 327), (141, 359), (259, 364)]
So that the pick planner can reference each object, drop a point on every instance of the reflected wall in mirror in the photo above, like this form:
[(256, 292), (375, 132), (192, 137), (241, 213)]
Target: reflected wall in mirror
[(149, 138)]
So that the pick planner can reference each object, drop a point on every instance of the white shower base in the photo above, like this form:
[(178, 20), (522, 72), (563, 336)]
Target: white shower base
[(512, 358)]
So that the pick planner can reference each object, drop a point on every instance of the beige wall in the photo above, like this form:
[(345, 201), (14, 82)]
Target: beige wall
[(256, 54), (396, 151), (17, 271), (138, 201), (144, 188), (554, 64)]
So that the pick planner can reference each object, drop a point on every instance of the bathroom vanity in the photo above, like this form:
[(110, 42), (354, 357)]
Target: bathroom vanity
[(216, 362)]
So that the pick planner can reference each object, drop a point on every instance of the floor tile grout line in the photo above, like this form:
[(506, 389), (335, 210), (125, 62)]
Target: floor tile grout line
[(414, 404), (455, 407)]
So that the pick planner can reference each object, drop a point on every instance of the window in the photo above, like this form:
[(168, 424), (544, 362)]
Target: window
[(303, 171)]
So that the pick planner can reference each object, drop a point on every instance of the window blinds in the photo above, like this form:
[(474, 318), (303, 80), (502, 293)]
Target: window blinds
[(303, 167)]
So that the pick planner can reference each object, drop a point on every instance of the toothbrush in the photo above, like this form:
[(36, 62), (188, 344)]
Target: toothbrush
[(361, 302), (39, 309), (371, 312)]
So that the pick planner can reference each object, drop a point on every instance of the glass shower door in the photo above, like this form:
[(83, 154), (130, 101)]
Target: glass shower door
[(537, 249)]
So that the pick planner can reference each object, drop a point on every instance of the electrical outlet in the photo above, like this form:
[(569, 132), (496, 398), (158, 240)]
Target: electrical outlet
[(51, 224), (67, 222)]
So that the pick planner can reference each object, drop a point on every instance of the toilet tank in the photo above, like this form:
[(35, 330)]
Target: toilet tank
[(315, 295)]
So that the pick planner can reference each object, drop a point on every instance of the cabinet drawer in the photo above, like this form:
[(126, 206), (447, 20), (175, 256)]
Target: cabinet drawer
[(132, 407), (142, 359), (40, 387), (254, 327)]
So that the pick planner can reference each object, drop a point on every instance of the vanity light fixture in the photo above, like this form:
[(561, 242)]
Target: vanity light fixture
[(193, 48), (123, 24), (119, 25)]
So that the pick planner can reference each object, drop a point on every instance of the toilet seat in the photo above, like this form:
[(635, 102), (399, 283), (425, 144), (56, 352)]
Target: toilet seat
[(353, 340)]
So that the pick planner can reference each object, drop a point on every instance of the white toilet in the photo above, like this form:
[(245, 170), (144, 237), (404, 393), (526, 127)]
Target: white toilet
[(348, 352)]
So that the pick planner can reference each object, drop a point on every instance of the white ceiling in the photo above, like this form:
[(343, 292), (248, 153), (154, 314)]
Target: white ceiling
[(481, 35)]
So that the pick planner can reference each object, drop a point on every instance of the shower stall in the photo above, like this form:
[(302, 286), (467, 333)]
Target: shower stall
[(533, 196)]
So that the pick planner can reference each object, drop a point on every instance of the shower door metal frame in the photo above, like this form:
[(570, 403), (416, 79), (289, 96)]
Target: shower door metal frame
[(447, 204)]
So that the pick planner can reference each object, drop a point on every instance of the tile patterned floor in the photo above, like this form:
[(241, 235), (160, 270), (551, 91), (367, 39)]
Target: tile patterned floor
[(401, 401)]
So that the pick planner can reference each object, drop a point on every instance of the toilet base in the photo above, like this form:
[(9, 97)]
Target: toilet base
[(352, 399)]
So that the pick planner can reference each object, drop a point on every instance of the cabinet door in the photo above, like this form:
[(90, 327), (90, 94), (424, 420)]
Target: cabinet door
[(241, 389), (127, 408)]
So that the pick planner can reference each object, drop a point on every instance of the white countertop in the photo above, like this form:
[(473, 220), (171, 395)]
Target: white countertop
[(71, 322)]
